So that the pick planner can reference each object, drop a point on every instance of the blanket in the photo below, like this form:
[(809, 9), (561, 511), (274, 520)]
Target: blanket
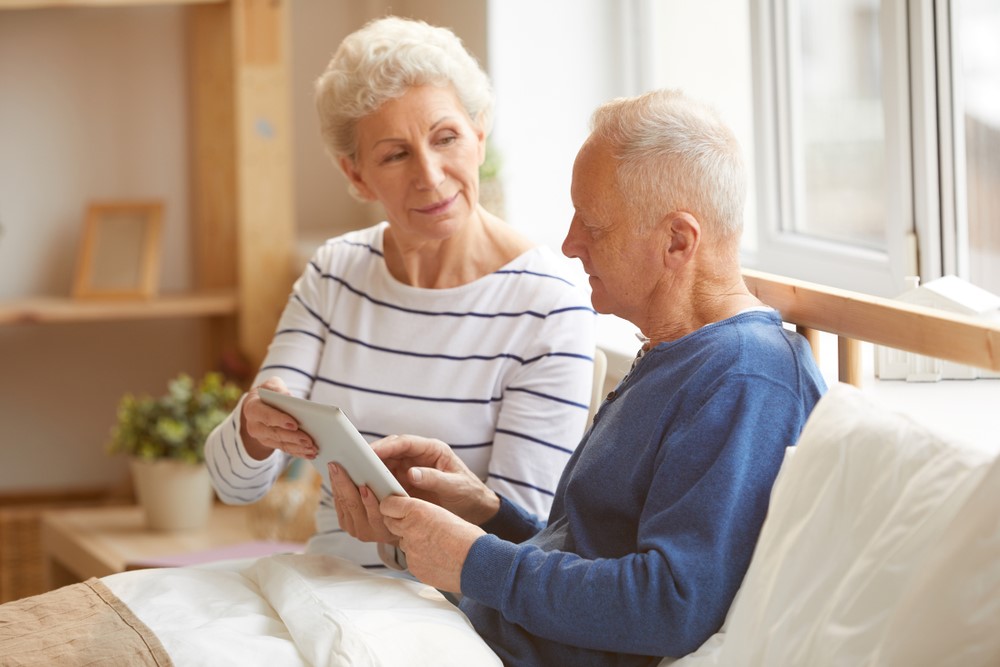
[(297, 610), (82, 624)]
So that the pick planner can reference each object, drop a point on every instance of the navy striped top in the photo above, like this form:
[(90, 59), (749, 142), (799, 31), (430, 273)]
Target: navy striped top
[(499, 368)]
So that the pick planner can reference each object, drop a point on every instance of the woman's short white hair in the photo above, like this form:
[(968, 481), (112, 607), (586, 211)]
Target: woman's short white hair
[(675, 153), (380, 62)]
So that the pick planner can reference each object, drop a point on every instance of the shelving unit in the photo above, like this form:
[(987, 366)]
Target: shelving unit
[(44, 4), (56, 310), (242, 210)]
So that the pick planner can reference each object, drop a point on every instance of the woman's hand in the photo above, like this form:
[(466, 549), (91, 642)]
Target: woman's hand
[(265, 429), (430, 470), (357, 508)]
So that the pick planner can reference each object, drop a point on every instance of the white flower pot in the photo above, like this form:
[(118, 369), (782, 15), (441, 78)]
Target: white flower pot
[(175, 495)]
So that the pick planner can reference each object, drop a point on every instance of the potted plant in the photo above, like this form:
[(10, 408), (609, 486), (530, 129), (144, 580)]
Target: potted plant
[(165, 439)]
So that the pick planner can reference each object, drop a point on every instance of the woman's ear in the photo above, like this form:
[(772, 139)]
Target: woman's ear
[(477, 127), (685, 237), (354, 178)]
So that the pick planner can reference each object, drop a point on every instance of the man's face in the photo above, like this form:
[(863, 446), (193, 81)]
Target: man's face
[(623, 264)]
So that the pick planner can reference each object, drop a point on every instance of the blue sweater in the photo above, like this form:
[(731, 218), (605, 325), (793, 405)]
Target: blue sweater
[(656, 515)]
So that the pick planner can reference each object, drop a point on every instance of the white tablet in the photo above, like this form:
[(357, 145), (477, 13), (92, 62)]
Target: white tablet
[(338, 441)]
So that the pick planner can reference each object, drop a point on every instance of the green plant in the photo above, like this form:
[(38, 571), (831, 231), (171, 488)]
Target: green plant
[(175, 425)]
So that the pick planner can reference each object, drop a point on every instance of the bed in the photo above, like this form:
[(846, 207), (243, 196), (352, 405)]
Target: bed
[(881, 546)]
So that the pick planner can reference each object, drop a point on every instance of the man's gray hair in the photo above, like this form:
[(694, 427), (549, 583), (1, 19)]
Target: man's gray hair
[(380, 62), (675, 154)]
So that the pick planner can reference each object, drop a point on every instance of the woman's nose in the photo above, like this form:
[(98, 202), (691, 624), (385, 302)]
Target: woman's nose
[(429, 171)]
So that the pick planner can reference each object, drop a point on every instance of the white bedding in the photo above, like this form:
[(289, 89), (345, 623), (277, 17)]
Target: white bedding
[(881, 547), (293, 610)]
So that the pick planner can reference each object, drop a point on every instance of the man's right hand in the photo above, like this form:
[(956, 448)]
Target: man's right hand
[(430, 469)]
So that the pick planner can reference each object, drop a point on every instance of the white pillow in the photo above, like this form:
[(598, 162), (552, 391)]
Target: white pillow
[(882, 539), (950, 612)]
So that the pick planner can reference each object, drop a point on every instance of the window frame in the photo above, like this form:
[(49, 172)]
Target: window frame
[(819, 260)]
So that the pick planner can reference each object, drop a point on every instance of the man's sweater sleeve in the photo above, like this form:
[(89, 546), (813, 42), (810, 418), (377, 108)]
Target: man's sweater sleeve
[(671, 588), (513, 523)]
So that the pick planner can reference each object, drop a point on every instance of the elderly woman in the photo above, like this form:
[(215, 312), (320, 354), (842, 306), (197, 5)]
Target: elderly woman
[(441, 320)]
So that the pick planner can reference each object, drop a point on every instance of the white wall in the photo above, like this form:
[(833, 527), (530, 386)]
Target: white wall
[(552, 64), (323, 206), (92, 105), (703, 47)]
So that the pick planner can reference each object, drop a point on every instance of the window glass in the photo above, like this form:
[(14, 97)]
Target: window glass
[(976, 25), (838, 140)]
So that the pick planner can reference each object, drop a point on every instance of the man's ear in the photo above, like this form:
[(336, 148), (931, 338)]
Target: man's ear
[(354, 177), (685, 237)]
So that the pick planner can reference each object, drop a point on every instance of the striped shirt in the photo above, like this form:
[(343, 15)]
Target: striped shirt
[(499, 368)]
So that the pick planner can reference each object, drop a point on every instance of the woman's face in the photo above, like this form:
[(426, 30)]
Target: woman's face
[(419, 155)]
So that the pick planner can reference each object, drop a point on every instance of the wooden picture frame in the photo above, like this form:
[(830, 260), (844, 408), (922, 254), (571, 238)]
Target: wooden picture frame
[(119, 256)]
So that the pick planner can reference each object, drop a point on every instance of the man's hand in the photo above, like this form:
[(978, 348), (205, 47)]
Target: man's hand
[(430, 470), (435, 541)]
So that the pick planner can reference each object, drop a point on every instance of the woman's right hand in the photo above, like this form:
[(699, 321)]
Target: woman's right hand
[(265, 429)]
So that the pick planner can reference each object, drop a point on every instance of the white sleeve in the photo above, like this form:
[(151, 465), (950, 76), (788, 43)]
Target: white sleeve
[(237, 477), (293, 355)]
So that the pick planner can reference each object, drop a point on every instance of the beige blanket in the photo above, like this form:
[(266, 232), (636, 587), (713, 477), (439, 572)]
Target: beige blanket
[(82, 624)]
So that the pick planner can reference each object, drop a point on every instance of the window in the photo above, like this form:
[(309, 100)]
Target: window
[(834, 173), (873, 145), (877, 130), (975, 106)]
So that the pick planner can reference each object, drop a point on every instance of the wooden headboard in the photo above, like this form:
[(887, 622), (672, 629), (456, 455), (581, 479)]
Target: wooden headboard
[(854, 317)]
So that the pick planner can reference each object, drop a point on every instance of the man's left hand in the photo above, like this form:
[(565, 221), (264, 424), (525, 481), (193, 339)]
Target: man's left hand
[(434, 540)]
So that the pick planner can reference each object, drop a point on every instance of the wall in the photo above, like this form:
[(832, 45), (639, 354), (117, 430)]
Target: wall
[(92, 105), (553, 63)]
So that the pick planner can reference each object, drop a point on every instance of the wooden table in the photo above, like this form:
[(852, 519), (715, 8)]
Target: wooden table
[(98, 541)]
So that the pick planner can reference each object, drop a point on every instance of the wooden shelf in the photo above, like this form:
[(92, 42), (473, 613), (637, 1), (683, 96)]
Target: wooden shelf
[(99, 541), (242, 215), (42, 4), (53, 310)]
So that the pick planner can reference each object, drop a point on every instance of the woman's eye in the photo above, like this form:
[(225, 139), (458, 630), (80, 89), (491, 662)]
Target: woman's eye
[(394, 157), (447, 139)]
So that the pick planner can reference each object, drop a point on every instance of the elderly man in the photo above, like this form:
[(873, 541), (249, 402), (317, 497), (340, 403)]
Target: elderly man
[(656, 515)]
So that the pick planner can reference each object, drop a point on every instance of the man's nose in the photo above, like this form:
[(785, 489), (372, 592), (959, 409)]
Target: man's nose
[(570, 245)]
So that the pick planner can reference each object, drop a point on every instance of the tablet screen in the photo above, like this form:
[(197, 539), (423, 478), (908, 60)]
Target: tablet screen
[(338, 440)]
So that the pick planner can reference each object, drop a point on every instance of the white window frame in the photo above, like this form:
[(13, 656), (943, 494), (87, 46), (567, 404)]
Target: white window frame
[(809, 258)]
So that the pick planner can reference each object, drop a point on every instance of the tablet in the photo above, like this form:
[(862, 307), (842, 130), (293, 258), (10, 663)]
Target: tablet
[(338, 441)]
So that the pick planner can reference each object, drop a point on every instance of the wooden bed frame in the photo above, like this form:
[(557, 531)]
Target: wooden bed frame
[(854, 318)]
